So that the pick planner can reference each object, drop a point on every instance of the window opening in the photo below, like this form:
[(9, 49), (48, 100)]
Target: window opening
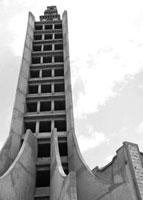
[(31, 126), (43, 178), (47, 47), (37, 48), (59, 87), (45, 126), (47, 59), (33, 89), (48, 36), (63, 149), (48, 27), (46, 73), (58, 46), (36, 60), (43, 150), (39, 27), (58, 36), (58, 26), (59, 72), (60, 125), (34, 74), (59, 105), (32, 107), (45, 106), (37, 37), (58, 58), (45, 88)]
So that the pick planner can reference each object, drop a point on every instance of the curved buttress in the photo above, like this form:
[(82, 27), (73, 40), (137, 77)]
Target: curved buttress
[(62, 187)]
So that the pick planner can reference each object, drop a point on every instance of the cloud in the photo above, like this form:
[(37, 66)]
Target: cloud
[(100, 72), (109, 158), (17, 43), (91, 140), (139, 129)]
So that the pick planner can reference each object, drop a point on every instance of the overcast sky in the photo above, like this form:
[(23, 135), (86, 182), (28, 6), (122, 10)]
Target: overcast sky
[(106, 53)]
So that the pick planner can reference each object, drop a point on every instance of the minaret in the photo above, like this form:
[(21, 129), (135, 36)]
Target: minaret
[(41, 159), (46, 96), (45, 100)]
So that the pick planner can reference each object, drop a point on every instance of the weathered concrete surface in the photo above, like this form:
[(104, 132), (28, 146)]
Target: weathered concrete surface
[(12, 145), (62, 187), (67, 74), (18, 183)]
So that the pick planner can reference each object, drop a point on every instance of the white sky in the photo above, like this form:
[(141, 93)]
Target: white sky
[(106, 53)]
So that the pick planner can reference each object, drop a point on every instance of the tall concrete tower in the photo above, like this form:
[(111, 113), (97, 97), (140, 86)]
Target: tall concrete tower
[(41, 159)]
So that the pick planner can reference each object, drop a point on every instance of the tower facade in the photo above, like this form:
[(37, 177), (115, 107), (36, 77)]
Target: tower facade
[(41, 159)]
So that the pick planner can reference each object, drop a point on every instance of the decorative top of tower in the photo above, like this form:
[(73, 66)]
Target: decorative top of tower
[(50, 14)]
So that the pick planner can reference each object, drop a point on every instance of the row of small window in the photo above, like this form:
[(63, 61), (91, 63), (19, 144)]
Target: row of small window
[(49, 17), (47, 59), (48, 26), (49, 47), (45, 126), (48, 36), (41, 106), (46, 73), (46, 88)]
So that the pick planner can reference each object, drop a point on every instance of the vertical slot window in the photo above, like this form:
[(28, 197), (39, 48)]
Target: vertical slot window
[(63, 149)]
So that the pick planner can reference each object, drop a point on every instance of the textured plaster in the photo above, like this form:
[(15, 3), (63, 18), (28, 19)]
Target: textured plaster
[(18, 183), (12, 145)]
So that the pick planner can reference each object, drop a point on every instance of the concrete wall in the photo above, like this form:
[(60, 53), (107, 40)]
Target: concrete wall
[(18, 183), (12, 145)]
